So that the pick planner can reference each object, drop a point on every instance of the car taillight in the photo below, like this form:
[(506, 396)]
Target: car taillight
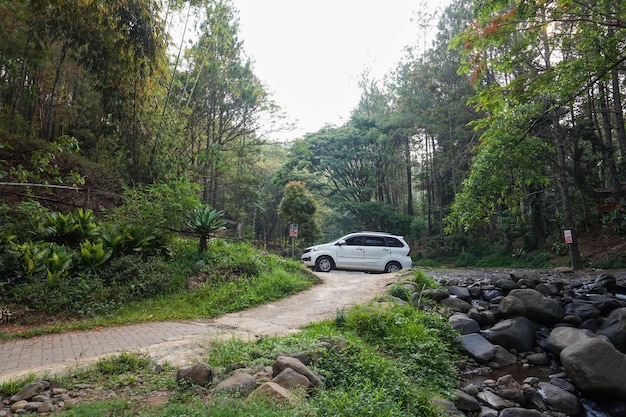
[(409, 254)]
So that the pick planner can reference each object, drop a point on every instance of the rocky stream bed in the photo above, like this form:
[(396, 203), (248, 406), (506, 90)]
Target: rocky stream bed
[(538, 342)]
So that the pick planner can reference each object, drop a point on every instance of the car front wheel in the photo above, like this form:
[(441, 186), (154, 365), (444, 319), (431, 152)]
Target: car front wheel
[(393, 267), (324, 264)]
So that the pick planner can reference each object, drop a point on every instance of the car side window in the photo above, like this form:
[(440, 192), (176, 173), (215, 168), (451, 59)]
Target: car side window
[(394, 243), (375, 241), (354, 241)]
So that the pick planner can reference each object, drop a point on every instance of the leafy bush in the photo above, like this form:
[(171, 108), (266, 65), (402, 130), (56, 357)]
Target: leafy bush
[(159, 207), (420, 341)]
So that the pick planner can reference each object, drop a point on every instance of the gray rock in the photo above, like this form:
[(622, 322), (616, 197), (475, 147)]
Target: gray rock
[(583, 310), (456, 304), (459, 292), (520, 412), (32, 406), (199, 373), (511, 306), (29, 391), (538, 359), (464, 324), (493, 400), (241, 384), (482, 317), (46, 407), (614, 327), (557, 399), (446, 408), (563, 384), (290, 379), (516, 333), (595, 367), (270, 391), (283, 362), (503, 358), (465, 402), (477, 347), (534, 399), (437, 294), (561, 337), (506, 285), (509, 389), (530, 276), (539, 308), (487, 412)]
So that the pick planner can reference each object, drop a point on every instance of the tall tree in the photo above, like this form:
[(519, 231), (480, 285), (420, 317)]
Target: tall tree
[(224, 96)]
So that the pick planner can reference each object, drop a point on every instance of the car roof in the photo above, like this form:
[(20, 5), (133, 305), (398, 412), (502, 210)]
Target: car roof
[(375, 233)]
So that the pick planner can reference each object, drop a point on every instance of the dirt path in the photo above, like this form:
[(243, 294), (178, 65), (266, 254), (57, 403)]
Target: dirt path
[(182, 343)]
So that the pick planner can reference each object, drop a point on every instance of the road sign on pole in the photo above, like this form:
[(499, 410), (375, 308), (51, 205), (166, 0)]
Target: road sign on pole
[(293, 230)]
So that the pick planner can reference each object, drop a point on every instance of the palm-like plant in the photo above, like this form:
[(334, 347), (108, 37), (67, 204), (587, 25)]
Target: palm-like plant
[(205, 222)]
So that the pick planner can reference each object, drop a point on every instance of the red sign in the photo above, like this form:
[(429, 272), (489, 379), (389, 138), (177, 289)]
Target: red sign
[(293, 230)]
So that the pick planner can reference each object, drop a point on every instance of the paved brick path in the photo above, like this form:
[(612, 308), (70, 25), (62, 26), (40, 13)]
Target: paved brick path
[(182, 342), (22, 356)]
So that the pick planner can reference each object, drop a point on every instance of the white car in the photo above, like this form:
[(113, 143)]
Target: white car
[(363, 251)]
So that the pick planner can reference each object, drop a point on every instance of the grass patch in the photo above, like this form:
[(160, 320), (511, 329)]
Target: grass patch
[(392, 361), (134, 290)]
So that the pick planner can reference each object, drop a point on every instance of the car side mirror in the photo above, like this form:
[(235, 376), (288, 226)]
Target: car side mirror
[(341, 242)]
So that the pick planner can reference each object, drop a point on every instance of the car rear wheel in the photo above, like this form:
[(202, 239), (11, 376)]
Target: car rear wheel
[(324, 264), (393, 267)]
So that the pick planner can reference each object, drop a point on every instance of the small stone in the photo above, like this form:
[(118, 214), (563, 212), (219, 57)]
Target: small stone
[(46, 407), (19, 405)]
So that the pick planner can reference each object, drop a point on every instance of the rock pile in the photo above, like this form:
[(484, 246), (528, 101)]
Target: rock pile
[(278, 383), (575, 326)]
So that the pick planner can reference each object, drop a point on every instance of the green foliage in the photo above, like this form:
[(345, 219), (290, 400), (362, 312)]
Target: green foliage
[(299, 207), (398, 291), (43, 167), (205, 222), (70, 229), (419, 341), (423, 280), (159, 207), (122, 363), (615, 220), (134, 239), (94, 255)]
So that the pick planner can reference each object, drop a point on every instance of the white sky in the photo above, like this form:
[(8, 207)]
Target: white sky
[(311, 54)]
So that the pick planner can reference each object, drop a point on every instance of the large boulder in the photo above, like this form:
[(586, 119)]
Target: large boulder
[(562, 337), (595, 367), (511, 306), (538, 307), (557, 399), (515, 333), (614, 327)]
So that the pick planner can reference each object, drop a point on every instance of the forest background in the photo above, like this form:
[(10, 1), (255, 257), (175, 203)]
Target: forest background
[(481, 150)]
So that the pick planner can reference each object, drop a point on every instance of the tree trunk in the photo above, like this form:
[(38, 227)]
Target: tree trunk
[(608, 151), (409, 176), (49, 118), (619, 118), (576, 259)]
